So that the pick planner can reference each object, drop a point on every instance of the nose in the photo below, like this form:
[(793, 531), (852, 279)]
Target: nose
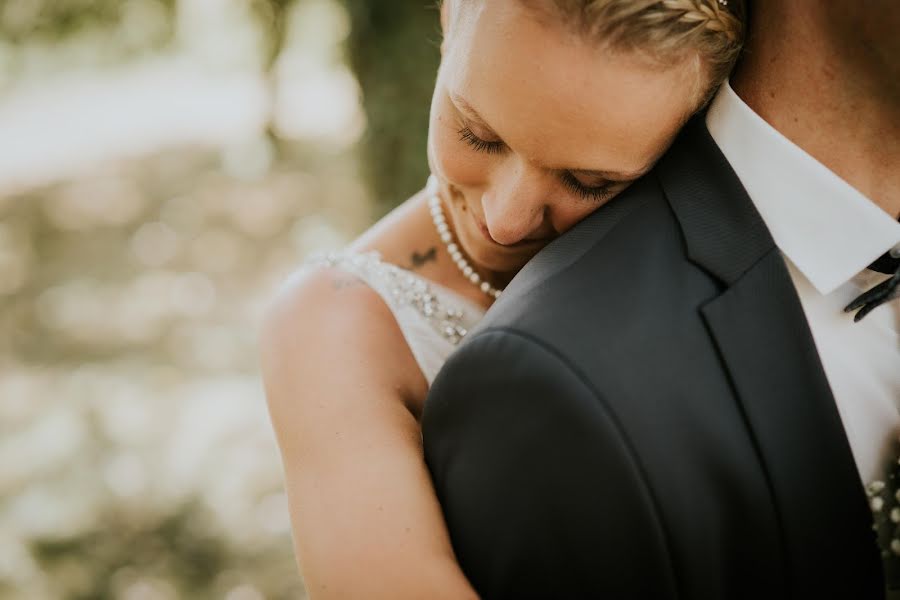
[(515, 208)]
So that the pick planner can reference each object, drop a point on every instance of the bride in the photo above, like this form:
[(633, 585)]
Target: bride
[(543, 110)]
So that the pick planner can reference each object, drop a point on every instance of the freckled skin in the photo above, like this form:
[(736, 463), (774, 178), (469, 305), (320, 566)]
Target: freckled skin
[(573, 105)]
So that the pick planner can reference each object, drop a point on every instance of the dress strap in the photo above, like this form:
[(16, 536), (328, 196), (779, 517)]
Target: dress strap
[(433, 320)]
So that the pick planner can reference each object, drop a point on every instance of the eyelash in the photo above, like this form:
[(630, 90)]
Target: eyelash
[(466, 135), (600, 192), (587, 193)]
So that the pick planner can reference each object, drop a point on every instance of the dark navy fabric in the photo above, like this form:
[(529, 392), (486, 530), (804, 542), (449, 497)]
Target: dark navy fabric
[(643, 414)]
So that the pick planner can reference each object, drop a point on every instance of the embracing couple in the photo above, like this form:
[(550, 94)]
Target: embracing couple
[(639, 336)]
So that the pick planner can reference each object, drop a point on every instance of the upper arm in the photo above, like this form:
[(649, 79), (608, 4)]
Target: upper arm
[(327, 333), (340, 385), (542, 489)]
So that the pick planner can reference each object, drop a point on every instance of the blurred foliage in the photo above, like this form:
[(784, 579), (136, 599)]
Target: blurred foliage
[(176, 555), (55, 19), (272, 15), (394, 50), (273, 18), (130, 297), (127, 326)]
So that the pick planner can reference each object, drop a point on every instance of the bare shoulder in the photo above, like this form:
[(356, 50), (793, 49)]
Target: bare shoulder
[(326, 332), (339, 378)]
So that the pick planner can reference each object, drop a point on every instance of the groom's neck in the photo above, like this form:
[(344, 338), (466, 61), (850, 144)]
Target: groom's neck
[(831, 84)]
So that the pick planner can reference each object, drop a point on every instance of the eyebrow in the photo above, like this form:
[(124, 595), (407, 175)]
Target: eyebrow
[(471, 113), (463, 104)]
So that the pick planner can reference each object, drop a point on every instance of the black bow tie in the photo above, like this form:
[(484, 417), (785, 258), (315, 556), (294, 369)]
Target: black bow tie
[(886, 264), (881, 293)]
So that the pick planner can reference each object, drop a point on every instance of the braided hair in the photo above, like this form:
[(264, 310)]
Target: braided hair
[(664, 31)]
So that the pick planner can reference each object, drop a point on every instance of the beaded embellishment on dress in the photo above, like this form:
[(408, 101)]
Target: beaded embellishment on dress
[(884, 500), (405, 288)]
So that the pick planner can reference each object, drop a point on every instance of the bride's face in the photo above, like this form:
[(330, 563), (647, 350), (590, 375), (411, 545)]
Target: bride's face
[(533, 128)]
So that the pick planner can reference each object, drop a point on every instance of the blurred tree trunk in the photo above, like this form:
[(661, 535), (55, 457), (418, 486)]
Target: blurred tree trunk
[(393, 48), (273, 16), (394, 51)]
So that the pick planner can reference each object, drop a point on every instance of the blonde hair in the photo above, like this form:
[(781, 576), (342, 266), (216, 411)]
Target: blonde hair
[(665, 31)]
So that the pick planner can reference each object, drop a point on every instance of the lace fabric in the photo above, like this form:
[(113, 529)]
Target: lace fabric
[(432, 318)]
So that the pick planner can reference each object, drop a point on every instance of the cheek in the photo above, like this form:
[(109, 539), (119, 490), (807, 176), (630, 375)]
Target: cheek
[(450, 159), (569, 216), (569, 213)]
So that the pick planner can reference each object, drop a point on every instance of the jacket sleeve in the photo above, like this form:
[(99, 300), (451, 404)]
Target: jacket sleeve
[(543, 494)]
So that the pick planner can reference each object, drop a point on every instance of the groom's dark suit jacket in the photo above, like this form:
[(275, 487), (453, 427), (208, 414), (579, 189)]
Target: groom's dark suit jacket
[(643, 414)]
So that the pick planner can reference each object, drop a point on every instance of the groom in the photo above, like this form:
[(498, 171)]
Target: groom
[(669, 401)]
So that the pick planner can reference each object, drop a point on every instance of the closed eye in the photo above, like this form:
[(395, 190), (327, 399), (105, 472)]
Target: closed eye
[(594, 193), (466, 135)]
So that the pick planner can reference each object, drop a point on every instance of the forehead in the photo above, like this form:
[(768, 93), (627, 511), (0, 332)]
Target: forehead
[(560, 99)]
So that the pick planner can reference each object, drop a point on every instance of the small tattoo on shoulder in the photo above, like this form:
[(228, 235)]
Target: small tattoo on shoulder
[(419, 259)]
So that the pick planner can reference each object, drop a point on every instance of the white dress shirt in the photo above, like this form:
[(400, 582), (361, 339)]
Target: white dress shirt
[(828, 232)]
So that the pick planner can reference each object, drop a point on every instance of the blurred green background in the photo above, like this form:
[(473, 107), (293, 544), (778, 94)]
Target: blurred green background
[(163, 165)]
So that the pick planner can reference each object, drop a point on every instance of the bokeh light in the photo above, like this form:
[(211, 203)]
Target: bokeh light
[(165, 163)]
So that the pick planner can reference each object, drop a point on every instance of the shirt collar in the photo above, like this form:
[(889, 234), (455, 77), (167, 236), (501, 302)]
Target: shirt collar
[(828, 229)]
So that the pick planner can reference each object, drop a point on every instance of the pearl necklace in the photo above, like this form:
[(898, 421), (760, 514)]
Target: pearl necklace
[(440, 223)]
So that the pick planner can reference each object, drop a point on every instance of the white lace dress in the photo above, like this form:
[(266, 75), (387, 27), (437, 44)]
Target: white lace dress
[(433, 319)]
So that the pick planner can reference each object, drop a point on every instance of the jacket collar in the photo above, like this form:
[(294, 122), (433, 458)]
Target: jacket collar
[(723, 230), (823, 225), (759, 327)]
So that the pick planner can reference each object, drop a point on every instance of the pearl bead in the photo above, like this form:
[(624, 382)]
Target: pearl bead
[(443, 230)]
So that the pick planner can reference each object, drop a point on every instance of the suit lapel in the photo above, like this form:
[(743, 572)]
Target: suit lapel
[(761, 332)]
